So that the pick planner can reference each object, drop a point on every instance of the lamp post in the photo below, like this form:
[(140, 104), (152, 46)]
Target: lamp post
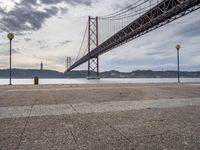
[(178, 46), (10, 37)]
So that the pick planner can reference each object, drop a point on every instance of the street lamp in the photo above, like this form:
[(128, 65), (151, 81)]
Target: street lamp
[(178, 46), (10, 37)]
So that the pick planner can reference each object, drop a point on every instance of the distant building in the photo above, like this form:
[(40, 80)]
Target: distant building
[(41, 66)]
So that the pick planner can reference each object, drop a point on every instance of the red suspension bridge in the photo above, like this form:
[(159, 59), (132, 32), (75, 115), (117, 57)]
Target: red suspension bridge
[(105, 33)]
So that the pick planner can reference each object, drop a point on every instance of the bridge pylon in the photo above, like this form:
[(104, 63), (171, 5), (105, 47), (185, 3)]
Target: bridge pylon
[(93, 42)]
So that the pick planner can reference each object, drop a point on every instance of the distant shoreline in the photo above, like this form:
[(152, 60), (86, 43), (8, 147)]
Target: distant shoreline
[(31, 73)]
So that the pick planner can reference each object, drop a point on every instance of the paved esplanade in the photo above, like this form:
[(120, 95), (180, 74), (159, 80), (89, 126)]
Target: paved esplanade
[(119, 116)]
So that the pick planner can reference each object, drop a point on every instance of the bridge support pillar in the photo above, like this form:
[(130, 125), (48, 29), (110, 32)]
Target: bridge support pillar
[(93, 42)]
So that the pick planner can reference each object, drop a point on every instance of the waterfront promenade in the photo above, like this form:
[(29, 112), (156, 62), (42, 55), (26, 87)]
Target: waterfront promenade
[(103, 116)]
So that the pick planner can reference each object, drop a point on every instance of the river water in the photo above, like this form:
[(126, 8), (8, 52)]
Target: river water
[(101, 81)]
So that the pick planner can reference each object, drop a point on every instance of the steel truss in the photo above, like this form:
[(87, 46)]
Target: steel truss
[(163, 13)]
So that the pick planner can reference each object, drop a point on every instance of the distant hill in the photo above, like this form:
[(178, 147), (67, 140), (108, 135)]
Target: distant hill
[(31, 73), (149, 74), (135, 74)]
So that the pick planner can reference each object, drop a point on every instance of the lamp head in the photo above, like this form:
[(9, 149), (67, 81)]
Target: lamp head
[(10, 36), (178, 46)]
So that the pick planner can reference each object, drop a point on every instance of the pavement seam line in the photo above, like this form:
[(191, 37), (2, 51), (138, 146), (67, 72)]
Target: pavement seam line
[(52, 144), (152, 135), (84, 123), (74, 137), (69, 128), (81, 119), (26, 123), (126, 138), (77, 113), (106, 124), (100, 121)]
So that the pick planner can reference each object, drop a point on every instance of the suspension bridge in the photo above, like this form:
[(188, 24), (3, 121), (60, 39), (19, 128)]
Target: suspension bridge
[(105, 33)]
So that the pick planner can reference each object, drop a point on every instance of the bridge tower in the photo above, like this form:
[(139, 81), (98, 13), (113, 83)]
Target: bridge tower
[(93, 42), (68, 62)]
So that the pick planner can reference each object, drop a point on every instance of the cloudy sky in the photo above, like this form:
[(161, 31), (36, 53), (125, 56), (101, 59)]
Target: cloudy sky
[(51, 30)]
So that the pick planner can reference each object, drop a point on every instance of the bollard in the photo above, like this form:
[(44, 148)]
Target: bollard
[(36, 80)]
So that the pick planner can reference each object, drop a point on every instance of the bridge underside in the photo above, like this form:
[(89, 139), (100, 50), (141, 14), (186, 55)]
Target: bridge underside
[(163, 13)]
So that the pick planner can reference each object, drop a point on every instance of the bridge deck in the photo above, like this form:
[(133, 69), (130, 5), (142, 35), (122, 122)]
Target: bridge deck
[(161, 14)]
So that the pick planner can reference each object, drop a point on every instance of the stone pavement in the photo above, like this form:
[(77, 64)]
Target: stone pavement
[(44, 118)]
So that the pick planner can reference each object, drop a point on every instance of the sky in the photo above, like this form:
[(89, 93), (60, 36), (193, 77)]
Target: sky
[(51, 30)]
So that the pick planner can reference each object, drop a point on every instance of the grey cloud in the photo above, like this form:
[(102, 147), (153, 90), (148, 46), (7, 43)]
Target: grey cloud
[(36, 56), (16, 51), (190, 30), (6, 52), (142, 61), (118, 7), (27, 39), (154, 53), (126, 4), (190, 27), (63, 10), (75, 2), (18, 33), (51, 58), (71, 2), (28, 2), (2, 11), (63, 43), (43, 43), (33, 2), (40, 42), (58, 59), (160, 49), (50, 1), (192, 67), (25, 17)]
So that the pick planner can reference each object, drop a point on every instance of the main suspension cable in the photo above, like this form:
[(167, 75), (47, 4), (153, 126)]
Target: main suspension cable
[(82, 42), (125, 10)]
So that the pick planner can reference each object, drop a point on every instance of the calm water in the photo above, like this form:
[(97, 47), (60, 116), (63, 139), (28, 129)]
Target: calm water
[(101, 81)]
